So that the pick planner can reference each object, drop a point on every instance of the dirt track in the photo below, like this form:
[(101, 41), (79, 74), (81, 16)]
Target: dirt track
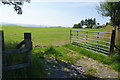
[(83, 68)]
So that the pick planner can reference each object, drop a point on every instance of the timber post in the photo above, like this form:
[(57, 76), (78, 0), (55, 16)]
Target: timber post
[(70, 36), (1, 49), (112, 43), (119, 39), (27, 50), (28, 44)]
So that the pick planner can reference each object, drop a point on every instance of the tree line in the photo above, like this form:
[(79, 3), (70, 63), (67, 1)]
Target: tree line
[(88, 22)]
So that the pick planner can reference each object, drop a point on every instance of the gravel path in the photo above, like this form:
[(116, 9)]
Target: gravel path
[(102, 71), (80, 69), (61, 69)]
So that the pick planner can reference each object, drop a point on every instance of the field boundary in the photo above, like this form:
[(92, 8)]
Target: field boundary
[(19, 49), (102, 42)]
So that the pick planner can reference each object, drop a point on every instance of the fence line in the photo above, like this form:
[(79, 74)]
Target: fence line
[(26, 50), (93, 41)]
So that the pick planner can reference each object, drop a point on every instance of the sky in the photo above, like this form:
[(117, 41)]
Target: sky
[(53, 13)]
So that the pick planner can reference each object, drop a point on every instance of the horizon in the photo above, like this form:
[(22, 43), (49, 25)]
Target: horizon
[(64, 14)]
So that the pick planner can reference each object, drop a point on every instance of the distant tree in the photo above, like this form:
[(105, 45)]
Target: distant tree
[(16, 3), (77, 25), (107, 23), (91, 22), (88, 22), (94, 21), (85, 22), (82, 22), (98, 23)]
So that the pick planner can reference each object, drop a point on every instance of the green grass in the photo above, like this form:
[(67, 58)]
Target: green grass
[(40, 36), (112, 60), (59, 53), (88, 53), (36, 70), (52, 37)]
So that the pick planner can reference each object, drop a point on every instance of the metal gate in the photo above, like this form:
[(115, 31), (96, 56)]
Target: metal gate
[(102, 42)]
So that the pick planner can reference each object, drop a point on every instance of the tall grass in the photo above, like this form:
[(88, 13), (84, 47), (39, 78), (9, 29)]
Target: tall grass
[(59, 53), (36, 70)]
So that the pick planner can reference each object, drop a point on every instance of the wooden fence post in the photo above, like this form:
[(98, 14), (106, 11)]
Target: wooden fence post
[(1, 53), (112, 43), (3, 56), (70, 36), (97, 41), (86, 37), (4, 63), (27, 49), (28, 44), (77, 34), (119, 36)]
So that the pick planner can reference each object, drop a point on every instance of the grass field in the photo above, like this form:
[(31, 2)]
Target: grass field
[(41, 36), (52, 37)]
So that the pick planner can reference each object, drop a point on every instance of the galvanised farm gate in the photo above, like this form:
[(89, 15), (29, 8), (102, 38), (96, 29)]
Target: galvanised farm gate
[(102, 42)]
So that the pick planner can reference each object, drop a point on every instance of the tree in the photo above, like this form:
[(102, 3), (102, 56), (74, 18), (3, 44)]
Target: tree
[(94, 21), (82, 23), (77, 25), (98, 23), (16, 3), (112, 10), (88, 22), (107, 23), (85, 22)]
